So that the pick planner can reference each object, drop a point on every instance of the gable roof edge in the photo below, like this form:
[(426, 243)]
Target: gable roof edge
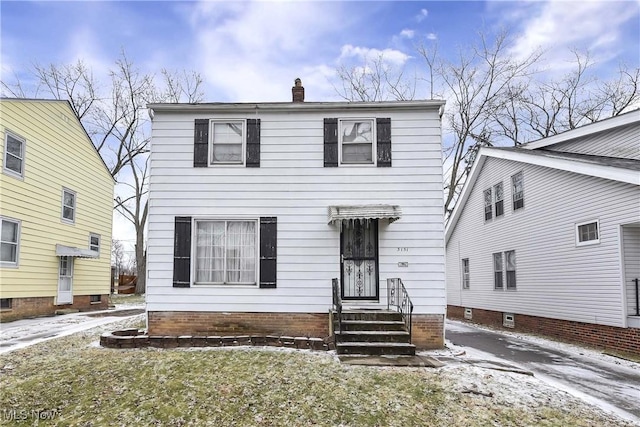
[(588, 129)]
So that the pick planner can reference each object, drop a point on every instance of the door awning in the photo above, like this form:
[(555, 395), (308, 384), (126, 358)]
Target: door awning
[(340, 214), (62, 250)]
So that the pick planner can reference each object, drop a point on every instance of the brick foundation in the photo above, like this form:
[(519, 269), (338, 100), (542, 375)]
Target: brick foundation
[(626, 340), (427, 331), (22, 308), (176, 323)]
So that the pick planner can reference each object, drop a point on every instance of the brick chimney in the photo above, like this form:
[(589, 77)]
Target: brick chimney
[(298, 91)]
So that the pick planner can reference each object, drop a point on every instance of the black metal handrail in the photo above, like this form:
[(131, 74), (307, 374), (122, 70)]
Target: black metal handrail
[(398, 297), (337, 301), (637, 297)]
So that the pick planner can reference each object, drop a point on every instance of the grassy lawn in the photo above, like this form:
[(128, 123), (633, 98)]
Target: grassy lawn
[(87, 385), (126, 299)]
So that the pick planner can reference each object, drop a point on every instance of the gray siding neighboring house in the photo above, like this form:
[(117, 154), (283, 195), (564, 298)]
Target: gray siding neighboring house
[(567, 194)]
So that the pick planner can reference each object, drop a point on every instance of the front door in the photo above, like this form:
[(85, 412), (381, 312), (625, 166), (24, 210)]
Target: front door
[(65, 281), (359, 260)]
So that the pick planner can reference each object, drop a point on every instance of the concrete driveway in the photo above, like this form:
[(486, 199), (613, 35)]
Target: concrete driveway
[(613, 385), (23, 333)]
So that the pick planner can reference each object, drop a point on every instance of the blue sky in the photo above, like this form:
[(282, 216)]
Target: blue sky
[(252, 51)]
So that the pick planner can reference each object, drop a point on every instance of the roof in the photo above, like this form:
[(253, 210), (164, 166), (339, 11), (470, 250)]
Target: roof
[(296, 106), (68, 104), (616, 162), (613, 168), (589, 129)]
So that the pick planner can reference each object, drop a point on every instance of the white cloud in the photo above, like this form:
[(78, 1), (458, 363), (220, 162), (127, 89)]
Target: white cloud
[(558, 26), (362, 53), (406, 33), (253, 52), (422, 15), (432, 36)]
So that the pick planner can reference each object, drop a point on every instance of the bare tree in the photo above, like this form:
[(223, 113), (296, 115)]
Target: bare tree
[(117, 255), (117, 120), (477, 85), (374, 80), (539, 109)]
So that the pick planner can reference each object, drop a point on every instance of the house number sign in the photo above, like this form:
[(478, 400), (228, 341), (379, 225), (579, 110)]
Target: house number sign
[(403, 249)]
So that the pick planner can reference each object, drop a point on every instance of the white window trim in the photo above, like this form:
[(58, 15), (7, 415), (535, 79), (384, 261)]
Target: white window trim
[(99, 242), (588, 242), (75, 206), (495, 200), (194, 251), (466, 278), (5, 170), (8, 264), (513, 193), (374, 139), (490, 205), (244, 143)]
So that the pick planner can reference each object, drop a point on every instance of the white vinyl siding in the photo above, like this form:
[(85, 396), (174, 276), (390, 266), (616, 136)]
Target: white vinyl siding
[(293, 185), (623, 142), (554, 277)]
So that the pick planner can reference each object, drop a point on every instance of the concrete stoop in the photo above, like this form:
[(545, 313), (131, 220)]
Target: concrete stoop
[(372, 333)]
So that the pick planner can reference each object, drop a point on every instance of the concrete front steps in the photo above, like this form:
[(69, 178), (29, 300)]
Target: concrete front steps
[(373, 333)]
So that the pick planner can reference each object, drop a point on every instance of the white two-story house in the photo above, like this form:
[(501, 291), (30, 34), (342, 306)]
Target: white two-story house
[(256, 207)]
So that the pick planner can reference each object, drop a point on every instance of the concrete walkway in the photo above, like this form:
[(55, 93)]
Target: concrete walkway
[(601, 381), (23, 333)]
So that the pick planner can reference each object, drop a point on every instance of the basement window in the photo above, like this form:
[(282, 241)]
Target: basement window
[(6, 304), (95, 299), (508, 320)]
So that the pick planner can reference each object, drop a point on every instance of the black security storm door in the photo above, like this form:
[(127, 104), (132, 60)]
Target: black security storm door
[(359, 256)]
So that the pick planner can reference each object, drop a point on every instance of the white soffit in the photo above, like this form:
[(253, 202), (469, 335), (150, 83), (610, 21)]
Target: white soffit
[(338, 214), (62, 250)]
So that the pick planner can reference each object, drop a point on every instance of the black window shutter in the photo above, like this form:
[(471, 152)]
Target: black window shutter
[(182, 252), (201, 143), (253, 143), (268, 251), (383, 142), (330, 143)]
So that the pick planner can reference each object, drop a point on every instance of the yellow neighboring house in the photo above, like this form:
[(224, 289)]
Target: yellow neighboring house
[(56, 207)]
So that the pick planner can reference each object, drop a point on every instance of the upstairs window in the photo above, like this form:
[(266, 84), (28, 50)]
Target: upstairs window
[(497, 271), (498, 196), (588, 233), (227, 142), (465, 273), (9, 242), (488, 205), (14, 155), (68, 205), (517, 190), (356, 141)]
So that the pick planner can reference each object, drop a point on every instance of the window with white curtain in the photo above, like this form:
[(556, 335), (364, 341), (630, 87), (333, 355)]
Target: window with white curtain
[(226, 252), (227, 142)]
